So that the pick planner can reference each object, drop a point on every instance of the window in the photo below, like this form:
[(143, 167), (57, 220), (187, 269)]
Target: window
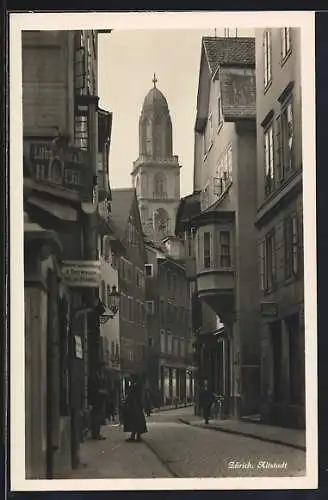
[(291, 246), (103, 293), (163, 341), (106, 248), (150, 305), (208, 135), (182, 348), (286, 42), (108, 295), (267, 59), (149, 270), (79, 69), (130, 308), (287, 136), (223, 172), (220, 120), (225, 249), (268, 160), (114, 260), (267, 253), (169, 342), (207, 250), (160, 186)]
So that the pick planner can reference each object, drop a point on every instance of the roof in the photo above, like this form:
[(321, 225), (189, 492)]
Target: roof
[(229, 51), (188, 207), (122, 200), (155, 100)]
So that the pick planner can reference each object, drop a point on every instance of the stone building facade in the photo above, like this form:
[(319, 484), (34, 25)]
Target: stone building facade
[(125, 220), (279, 221), (60, 122), (169, 327), (223, 231)]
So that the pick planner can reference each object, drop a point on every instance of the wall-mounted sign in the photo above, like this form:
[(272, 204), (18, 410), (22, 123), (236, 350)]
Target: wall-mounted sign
[(78, 347), (66, 166), (269, 309), (81, 273)]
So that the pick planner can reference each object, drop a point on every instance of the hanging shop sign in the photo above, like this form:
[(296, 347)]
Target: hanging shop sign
[(60, 165), (82, 274)]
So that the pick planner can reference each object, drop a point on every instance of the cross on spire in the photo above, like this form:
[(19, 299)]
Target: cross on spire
[(154, 80)]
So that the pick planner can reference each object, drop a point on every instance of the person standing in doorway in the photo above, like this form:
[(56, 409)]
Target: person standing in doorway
[(206, 399), (98, 393)]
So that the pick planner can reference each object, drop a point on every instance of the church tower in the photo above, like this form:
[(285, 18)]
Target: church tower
[(156, 173)]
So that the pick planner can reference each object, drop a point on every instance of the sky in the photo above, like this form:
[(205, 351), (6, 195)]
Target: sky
[(127, 61)]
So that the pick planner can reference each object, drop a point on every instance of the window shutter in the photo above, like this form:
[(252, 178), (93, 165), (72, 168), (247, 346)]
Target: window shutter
[(278, 158)]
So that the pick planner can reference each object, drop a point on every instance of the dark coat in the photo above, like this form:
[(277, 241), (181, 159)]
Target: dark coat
[(206, 398), (133, 415), (97, 390)]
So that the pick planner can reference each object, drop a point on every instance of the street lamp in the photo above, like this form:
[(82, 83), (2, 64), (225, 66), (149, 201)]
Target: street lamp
[(114, 300)]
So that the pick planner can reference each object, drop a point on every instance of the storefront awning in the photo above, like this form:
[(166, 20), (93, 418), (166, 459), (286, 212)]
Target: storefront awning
[(61, 211)]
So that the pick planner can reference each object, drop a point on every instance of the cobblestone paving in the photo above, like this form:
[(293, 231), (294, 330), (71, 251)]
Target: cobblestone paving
[(173, 449)]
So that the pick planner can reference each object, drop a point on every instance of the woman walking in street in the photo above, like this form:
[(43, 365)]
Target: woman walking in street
[(206, 399), (133, 415)]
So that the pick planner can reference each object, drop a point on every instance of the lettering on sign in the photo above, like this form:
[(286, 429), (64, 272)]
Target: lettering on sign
[(68, 167), (82, 274)]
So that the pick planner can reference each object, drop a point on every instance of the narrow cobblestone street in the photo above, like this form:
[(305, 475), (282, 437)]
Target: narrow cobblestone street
[(173, 449)]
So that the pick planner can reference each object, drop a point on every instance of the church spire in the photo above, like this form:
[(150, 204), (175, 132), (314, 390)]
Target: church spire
[(154, 80)]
